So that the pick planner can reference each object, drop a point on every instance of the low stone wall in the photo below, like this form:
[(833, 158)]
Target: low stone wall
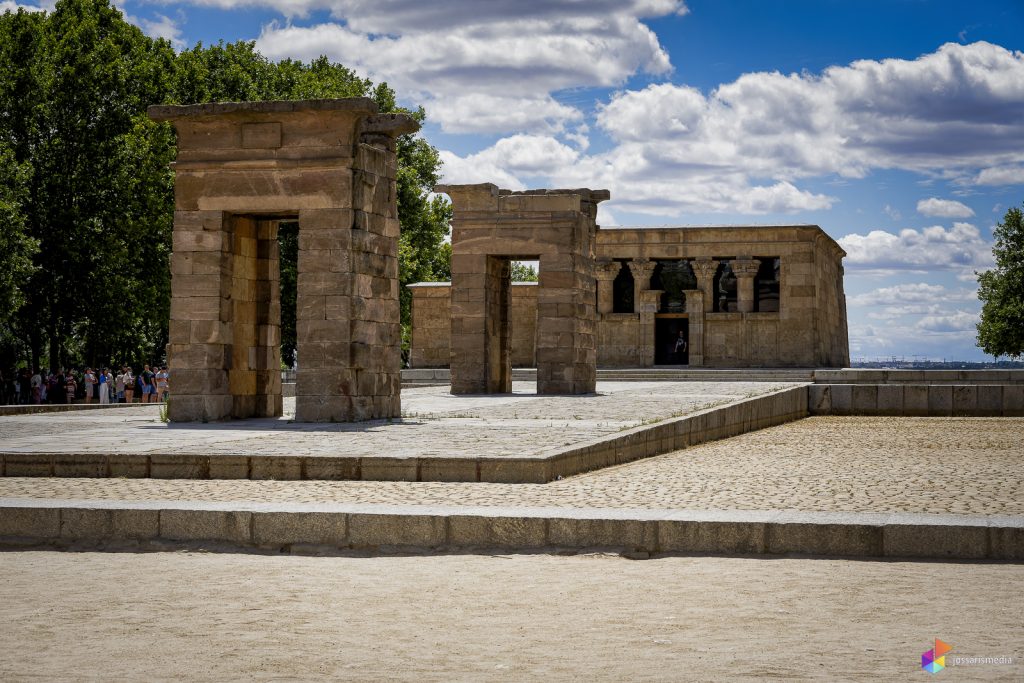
[(917, 399), (302, 528), (682, 432), (857, 376)]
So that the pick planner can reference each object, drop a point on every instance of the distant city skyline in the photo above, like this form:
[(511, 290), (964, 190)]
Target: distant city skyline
[(896, 125)]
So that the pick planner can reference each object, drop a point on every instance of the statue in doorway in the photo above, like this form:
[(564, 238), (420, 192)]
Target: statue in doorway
[(680, 348)]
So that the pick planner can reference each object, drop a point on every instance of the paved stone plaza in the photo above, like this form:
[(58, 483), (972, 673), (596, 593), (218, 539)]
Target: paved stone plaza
[(964, 466), (435, 423)]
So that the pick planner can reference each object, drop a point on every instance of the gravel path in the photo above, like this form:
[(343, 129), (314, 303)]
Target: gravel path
[(972, 466)]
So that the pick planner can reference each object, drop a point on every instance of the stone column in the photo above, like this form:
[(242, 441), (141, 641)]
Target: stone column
[(705, 270), (606, 272), (745, 270), (695, 307), (642, 269)]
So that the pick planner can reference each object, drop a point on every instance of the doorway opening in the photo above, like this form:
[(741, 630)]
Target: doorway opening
[(671, 339)]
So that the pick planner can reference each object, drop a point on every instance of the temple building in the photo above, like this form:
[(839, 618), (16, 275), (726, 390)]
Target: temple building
[(728, 296)]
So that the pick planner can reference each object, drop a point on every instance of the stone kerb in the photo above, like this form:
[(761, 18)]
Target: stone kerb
[(490, 227), (241, 169), (323, 527)]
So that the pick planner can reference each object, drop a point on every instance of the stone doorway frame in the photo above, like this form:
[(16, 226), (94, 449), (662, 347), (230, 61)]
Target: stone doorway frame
[(492, 227)]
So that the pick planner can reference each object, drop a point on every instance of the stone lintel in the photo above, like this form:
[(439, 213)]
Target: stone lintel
[(172, 112)]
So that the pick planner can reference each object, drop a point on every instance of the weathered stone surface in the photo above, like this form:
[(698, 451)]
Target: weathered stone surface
[(237, 161), (287, 528)]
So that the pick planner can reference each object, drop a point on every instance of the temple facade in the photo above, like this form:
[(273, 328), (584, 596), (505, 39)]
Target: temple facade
[(733, 296)]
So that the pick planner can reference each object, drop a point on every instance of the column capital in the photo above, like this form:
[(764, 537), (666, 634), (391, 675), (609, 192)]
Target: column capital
[(745, 267), (641, 268), (704, 268), (606, 269)]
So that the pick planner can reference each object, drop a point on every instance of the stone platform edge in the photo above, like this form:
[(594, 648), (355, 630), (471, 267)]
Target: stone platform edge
[(300, 528), (918, 400), (671, 434), (35, 409)]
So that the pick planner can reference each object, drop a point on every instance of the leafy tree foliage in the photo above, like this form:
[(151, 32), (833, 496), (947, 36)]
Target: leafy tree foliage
[(86, 194), (522, 272), (1001, 290), (74, 87), (16, 247)]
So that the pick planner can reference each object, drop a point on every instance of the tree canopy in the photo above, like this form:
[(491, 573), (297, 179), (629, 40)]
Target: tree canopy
[(1001, 290), (86, 192)]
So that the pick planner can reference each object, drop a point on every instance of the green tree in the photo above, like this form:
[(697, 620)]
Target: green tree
[(1001, 290), (74, 85), (16, 247)]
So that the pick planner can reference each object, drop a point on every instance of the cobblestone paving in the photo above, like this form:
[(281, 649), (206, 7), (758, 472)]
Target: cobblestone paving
[(852, 464), (435, 423)]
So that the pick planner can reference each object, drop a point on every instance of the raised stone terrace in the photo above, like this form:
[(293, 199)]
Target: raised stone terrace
[(518, 437)]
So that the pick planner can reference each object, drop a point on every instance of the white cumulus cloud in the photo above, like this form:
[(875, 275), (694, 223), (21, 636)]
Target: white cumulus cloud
[(959, 248), (944, 208), (480, 67), (1001, 175)]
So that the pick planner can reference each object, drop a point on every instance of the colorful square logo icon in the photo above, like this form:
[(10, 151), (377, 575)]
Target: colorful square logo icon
[(933, 661)]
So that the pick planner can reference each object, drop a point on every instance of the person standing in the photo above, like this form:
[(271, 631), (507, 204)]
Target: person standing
[(119, 386), (70, 386), (148, 385), (36, 382), (129, 384), (90, 382), (104, 382), (162, 385)]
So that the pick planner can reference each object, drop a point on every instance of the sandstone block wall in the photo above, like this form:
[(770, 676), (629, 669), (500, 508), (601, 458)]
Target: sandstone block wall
[(242, 168), (432, 328)]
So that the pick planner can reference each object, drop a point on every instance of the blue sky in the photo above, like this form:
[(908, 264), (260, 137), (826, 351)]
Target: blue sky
[(897, 126)]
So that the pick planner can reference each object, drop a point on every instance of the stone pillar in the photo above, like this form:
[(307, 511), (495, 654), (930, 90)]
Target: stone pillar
[(606, 272), (695, 323), (331, 165), (641, 269), (745, 270)]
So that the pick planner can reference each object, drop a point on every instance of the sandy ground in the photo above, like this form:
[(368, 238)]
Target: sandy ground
[(197, 616)]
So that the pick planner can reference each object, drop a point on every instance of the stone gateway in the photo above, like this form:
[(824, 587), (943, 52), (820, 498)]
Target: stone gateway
[(242, 169)]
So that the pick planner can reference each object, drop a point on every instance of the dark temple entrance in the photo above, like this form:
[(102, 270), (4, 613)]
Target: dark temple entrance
[(669, 328)]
